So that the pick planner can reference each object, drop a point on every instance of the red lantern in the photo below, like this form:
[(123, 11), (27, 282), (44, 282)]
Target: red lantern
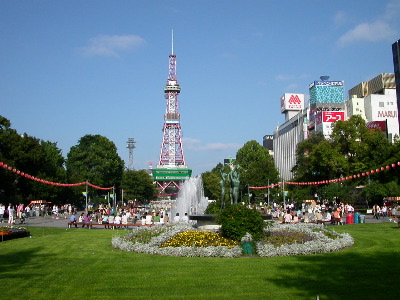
[(5, 166), (9, 168), (1, 163), (368, 173), (387, 167)]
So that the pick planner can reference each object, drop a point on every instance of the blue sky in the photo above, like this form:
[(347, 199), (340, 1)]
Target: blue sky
[(71, 68)]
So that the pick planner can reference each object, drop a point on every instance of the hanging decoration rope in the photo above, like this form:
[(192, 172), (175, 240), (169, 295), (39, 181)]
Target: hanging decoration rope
[(363, 174), (11, 169)]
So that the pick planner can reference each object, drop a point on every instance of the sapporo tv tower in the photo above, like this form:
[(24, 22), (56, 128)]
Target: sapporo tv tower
[(171, 170)]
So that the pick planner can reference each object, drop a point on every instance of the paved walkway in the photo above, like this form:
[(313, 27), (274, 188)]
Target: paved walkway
[(61, 222)]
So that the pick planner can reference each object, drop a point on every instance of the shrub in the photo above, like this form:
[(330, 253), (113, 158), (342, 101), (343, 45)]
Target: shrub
[(237, 220), (215, 207)]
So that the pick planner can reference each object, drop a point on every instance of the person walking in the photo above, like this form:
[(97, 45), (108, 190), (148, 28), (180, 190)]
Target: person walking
[(375, 211), (11, 212), (2, 210)]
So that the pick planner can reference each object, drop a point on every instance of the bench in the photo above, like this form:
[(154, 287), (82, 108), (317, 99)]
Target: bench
[(332, 221), (113, 226)]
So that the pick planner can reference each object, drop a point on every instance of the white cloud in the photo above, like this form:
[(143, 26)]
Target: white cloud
[(382, 29), (110, 45), (368, 32), (196, 145)]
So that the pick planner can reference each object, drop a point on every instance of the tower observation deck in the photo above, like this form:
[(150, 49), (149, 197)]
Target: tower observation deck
[(171, 170)]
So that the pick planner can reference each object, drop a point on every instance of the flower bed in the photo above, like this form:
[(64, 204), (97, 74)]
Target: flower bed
[(279, 240), (164, 243), (306, 239), (12, 232)]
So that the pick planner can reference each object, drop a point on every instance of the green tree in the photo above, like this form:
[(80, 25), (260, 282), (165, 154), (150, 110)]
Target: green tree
[(211, 185), (352, 149), (138, 185), (95, 159), (363, 148), (34, 157), (304, 170), (257, 168)]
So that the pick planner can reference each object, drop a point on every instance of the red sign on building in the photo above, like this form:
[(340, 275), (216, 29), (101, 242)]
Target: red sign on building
[(376, 125), (332, 116)]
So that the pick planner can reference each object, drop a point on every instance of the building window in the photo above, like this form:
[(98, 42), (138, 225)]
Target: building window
[(381, 104)]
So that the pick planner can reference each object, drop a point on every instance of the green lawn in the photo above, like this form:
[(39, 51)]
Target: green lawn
[(81, 264)]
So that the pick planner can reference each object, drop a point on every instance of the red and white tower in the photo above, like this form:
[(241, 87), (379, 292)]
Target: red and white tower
[(171, 168)]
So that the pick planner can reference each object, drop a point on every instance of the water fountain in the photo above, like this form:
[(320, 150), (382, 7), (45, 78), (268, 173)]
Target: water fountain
[(190, 199)]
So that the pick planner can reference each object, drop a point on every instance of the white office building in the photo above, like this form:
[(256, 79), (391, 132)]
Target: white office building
[(376, 102)]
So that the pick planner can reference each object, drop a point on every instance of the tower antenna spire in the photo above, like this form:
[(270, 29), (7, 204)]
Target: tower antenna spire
[(171, 170), (172, 42)]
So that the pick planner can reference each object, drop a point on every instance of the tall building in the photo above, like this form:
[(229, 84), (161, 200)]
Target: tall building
[(288, 135), (396, 65), (268, 143), (171, 170), (327, 104), (376, 102)]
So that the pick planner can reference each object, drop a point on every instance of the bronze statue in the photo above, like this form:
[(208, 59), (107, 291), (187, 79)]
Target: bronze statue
[(222, 184), (234, 179)]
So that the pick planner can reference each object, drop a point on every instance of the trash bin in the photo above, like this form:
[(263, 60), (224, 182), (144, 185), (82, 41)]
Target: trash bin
[(248, 248), (349, 218), (362, 218), (356, 218)]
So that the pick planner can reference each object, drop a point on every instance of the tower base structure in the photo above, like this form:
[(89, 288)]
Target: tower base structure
[(170, 177)]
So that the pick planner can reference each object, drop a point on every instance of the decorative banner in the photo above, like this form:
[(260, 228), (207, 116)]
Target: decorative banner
[(5, 166)]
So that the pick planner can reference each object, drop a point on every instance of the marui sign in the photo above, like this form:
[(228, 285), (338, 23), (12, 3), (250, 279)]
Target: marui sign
[(387, 114)]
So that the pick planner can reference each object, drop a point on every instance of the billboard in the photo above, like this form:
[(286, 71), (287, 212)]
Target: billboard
[(325, 83), (229, 161), (377, 125), (292, 102), (325, 119), (329, 117)]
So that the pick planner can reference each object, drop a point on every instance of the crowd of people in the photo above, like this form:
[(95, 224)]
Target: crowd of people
[(121, 217), (17, 214), (324, 213), (310, 211)]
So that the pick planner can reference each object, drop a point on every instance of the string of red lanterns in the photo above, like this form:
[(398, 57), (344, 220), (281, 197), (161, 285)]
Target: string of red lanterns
[(18, 172), (363, 174)]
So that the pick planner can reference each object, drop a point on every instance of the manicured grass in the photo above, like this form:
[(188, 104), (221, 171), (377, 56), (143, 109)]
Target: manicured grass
[(81, 264)]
